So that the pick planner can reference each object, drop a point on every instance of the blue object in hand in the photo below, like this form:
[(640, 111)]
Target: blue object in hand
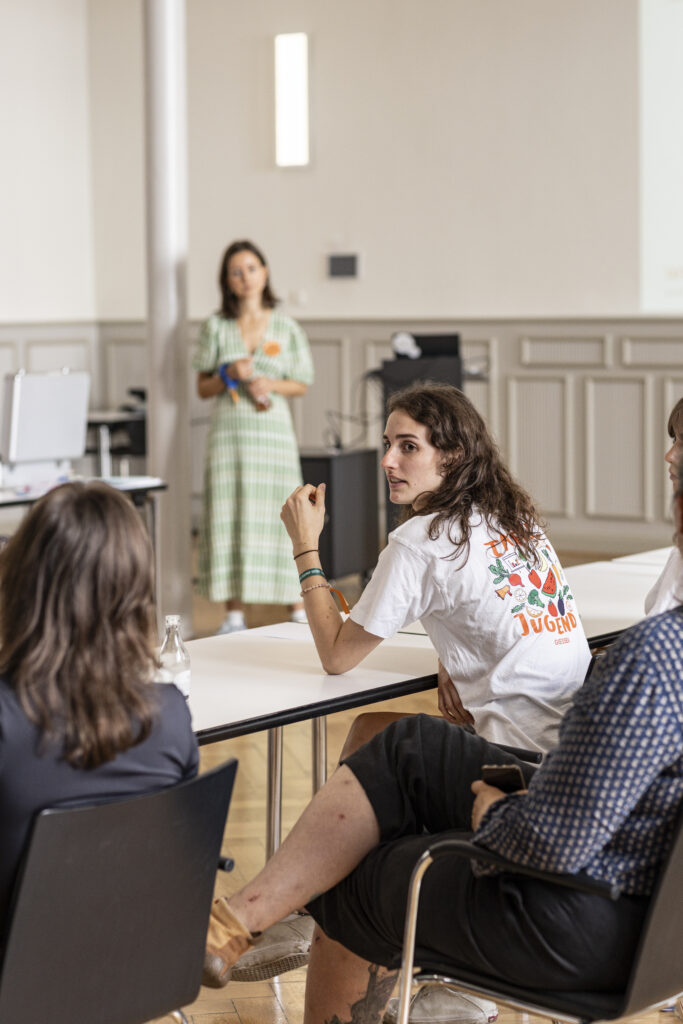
[(230, 382)]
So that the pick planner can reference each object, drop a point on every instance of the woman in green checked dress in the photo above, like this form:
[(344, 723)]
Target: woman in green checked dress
[(250, 360)]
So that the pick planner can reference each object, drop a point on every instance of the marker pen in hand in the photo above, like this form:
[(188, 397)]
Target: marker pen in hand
[(230, 382)]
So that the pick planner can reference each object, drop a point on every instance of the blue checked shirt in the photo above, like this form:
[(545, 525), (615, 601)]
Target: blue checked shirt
[(606, 799)]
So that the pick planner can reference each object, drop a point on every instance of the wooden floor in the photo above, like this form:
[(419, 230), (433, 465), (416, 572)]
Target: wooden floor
[(280, 1001)]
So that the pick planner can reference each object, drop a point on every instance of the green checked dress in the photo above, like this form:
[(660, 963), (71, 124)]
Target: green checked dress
[(251, 467)]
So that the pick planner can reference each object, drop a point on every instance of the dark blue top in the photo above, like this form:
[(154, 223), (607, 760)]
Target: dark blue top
[(606, 799), (32, 779)]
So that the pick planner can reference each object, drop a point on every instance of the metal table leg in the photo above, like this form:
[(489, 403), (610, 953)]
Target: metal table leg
[(274, 808), (319, 737), (105, 452)]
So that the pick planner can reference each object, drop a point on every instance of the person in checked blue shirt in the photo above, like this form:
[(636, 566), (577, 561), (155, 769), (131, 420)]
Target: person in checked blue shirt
[(604, 801)]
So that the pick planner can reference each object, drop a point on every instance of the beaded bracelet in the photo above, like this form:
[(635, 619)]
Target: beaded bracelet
[(310, 572), (316, 586), (327, 586)]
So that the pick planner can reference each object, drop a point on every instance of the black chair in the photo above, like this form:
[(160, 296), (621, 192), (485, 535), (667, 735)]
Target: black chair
[(110, 913), (656, 973)]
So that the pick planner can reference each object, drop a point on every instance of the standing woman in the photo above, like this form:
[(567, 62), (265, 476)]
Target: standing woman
[(80, 715), (251, 359)]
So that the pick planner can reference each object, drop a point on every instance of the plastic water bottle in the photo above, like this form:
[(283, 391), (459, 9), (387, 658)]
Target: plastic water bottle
[(174, 657)]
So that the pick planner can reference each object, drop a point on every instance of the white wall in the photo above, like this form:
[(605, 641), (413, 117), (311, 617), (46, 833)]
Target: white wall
[(661, 155), (46, 241), (480, 155), (116, 87)]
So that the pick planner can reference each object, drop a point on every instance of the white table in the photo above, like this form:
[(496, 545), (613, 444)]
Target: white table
[(269, 677), (658, 557), (611, 595)]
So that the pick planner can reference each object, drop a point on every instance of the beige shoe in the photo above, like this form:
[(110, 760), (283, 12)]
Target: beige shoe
[(439, 1004), (227, 939), (282, 947)]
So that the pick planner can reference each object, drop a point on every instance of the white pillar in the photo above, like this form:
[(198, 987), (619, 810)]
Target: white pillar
[(168, 425)]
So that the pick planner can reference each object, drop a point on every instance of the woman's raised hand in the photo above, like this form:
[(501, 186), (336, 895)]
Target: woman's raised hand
[(304, 515)]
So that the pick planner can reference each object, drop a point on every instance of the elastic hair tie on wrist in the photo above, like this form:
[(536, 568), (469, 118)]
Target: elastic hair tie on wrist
[(310, 551)]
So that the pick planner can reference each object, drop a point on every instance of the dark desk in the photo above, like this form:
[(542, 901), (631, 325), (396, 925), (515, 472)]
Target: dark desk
[(129, 426), (349, 542)]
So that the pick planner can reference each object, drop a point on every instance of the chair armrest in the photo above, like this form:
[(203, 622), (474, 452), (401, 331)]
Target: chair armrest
[(580, 880), (530, 756), (596, 643)]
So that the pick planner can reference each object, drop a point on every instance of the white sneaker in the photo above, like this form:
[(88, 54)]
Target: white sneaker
[(298, 615), (440, 1004), (228, 625), (282, 947)]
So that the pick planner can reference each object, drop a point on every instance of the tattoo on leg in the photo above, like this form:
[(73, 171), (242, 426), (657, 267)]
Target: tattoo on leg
[(369, 1008)]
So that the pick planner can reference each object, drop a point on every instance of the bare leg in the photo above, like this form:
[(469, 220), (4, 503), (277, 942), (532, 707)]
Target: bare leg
[(330, 838), (233, 605), (341, 987), (364, 727)]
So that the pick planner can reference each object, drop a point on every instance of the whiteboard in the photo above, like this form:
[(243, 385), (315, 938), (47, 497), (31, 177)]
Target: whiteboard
[(45, 416)]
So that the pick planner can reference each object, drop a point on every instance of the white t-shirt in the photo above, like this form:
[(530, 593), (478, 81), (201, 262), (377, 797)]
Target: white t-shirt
[(667, 592), (506, 631)]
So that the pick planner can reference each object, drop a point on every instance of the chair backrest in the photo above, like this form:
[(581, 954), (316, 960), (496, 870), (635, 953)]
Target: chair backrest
[(657, 971), (111, 911)]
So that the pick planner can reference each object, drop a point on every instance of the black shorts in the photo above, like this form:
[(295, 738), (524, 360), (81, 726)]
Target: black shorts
[(417, 775)]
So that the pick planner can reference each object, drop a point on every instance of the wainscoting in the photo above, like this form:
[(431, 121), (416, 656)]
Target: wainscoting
[(578, 407)]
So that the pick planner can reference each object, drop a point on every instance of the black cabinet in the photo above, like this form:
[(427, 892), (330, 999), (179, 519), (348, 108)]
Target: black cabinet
[(396, 374), (349, 542)]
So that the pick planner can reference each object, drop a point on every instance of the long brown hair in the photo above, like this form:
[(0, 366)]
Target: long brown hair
[(230, 303), (675, 424), (475, 478), (77, 621)]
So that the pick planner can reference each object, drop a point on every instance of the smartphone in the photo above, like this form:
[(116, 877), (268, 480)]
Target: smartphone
[(508, 777)]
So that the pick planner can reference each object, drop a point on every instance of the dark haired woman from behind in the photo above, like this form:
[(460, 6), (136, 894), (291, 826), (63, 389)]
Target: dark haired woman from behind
[(80, 716), (250, 360)]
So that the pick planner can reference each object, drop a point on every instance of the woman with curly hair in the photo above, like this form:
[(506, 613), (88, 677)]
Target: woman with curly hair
[(471, 561), (80, 715)]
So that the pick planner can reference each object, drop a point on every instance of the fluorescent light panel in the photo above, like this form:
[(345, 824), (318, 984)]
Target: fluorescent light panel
[(291, 100)]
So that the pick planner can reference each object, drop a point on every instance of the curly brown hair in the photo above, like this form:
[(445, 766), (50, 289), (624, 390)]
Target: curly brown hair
[(77, 621), (229, 302), (475, 478)]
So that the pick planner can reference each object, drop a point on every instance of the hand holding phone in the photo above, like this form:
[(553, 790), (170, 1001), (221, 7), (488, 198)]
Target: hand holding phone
[(508, 777)]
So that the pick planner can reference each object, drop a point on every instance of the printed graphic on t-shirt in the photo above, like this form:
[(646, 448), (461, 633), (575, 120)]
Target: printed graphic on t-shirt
[(537, 592)]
